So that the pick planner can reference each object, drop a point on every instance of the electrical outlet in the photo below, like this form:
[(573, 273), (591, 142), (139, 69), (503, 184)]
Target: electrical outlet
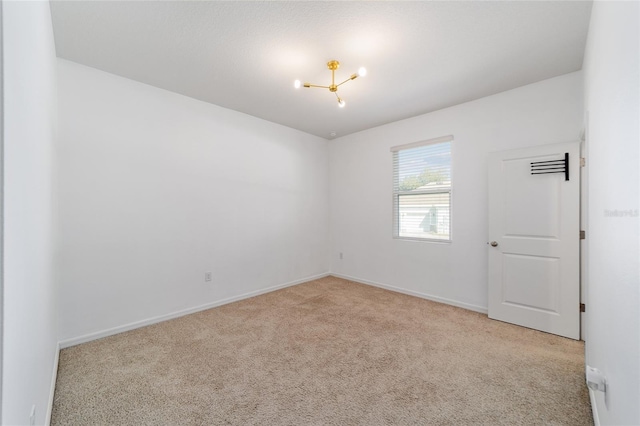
[(207, 276), (340, 255), (32, 416)]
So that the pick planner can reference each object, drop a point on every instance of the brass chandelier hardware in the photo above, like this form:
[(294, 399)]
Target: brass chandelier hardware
[(333, 87)]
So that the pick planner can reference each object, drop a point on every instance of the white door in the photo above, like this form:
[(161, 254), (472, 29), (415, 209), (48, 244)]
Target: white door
[(534, 238)]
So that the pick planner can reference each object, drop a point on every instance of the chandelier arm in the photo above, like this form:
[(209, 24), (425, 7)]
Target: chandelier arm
[(349, 79), (315, 85)]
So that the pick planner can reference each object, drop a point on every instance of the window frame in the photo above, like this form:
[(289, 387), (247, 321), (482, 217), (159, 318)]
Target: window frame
[(395, 195)]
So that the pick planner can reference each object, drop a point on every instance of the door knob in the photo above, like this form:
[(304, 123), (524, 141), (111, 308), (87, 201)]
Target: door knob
[(494, 243)]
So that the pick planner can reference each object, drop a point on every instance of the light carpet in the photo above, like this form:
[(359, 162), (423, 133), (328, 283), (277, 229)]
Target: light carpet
[(326, 352)]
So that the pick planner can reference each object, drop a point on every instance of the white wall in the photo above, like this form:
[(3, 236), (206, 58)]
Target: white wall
[(361, 183), (612, 74), (30, 332), (156, 188)]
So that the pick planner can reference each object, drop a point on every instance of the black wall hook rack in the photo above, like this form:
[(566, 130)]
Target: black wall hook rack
[(553, 166)]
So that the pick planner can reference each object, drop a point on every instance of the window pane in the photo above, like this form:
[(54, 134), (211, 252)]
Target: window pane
[(424, 215), (423, 167)]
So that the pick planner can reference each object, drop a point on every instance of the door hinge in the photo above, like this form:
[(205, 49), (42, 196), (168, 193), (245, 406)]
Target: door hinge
[(583, 162), (583, 235), (582, 307)]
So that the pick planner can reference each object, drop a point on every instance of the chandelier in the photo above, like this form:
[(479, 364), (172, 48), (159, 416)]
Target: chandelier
[(333, 87)]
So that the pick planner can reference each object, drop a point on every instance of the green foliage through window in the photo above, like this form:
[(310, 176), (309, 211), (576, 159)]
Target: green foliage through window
[(410, 183)]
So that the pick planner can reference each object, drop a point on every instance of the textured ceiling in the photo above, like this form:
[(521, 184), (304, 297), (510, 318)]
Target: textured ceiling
[(420, 56)]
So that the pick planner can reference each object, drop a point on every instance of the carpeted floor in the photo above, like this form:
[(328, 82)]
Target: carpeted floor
[(327, 352)]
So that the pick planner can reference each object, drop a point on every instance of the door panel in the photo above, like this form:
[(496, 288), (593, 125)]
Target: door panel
[(531, 281), (523, 217), (534, 219)]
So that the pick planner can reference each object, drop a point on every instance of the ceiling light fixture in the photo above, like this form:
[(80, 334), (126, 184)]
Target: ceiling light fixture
[(333, 66)]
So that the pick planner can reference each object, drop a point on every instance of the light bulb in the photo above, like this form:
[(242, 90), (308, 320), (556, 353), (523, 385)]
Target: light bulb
[(341, 103), (297, 84), (362, 72)]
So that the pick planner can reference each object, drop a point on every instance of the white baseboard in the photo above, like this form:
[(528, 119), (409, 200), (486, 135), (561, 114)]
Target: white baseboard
[(137, 324), (594, 408), (475, 308), (52, 390)]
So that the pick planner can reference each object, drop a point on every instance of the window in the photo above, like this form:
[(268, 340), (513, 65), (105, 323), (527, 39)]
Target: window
[(422, 190)]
